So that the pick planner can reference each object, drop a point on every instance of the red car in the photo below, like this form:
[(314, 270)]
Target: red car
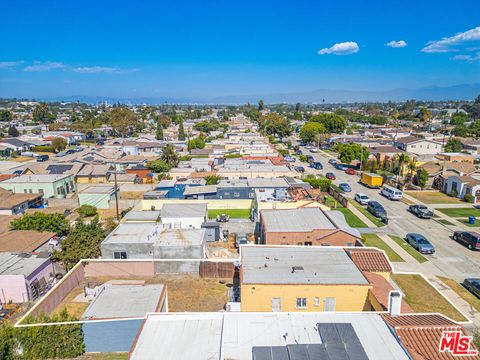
[(330, 176), (350, 171)]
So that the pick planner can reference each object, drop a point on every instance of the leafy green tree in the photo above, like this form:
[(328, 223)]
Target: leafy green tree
[(39, 221), (298, 107), (212, 179), (323, 183), (87, 210), (164, 120), (83, 242), (475, 129), (453, 145), (422, 178), (459, 118), (169, 155), (275, 124), (197, 143), (261, 105), (7, 341), (334, 123), (158, 166), (53, 341), (159, 132), (207, 126), (351, 151), (424, 114), (123, 120), (461, 130), (6, 115), (252, 113), (12, 131), (41, 113), (310, 131), (181, 131), (59, 144)]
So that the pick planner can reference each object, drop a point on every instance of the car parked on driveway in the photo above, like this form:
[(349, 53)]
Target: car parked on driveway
[(345, 187), (350, 171), (300, 169), (330, 176), (472, 285), (421, 211), (420, 243), (470, 239), (377, 210), (332, 161), (290, 158), (361, 198)]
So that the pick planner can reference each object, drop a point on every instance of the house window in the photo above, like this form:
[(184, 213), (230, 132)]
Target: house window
[(325, 244), (301, 303), (40, 191), (349, 244), (316, 301), (120, 255)]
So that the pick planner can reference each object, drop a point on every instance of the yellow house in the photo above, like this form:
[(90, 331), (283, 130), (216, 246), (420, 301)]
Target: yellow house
[(291, 278), (93, 174)]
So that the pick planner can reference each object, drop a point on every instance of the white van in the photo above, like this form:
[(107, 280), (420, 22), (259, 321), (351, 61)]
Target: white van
[(391, 193)]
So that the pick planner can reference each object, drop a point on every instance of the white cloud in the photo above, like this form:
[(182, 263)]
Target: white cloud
[(102, 70), (344, 48), (467, 58), (448, 44), (9, 64), (45, 66), (396, 44)]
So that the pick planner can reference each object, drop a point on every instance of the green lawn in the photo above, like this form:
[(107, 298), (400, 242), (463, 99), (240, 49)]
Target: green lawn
[(233, 213), (353, 220), (462, 292), (460, 212), (445, 222), (364, 211), (433, 197), (408, 248), (465, 221), (424, 298), (375, 241)]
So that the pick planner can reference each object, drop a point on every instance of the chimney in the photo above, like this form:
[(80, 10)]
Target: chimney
[(394, 303)]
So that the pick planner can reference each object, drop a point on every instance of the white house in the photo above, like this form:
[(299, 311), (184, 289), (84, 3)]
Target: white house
[(419, 146), (183, 216), (464, 185)]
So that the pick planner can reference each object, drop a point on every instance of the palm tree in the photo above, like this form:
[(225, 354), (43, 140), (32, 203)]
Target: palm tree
[(169, 155), (402, 159)]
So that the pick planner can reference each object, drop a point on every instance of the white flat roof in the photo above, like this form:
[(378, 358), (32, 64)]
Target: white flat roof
[(232, 335)]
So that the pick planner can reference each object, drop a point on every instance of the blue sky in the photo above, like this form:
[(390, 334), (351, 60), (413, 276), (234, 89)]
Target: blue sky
[(211, 48)]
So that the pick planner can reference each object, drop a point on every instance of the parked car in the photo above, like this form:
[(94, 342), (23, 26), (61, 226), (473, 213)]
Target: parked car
[(310, 158), (345, 187), (332, 161), (314, 150), (100, 142), (42, 158), (299, 152), (223, 218), (472, 285), (350, 171), (377, 210), (420, 243), (470, 239), (241, 239), (309, 146), (302, 143), (290, 158), (317, 165), (361, 198), (421, 211), (300, 169), (341, 167), (391, 193), (61, 154), (70, 151), (330, 176)]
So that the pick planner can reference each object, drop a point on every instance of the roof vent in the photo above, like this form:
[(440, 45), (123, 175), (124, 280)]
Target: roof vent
[(394, 303)]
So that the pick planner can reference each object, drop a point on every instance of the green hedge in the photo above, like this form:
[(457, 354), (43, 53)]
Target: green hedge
[(43, 148)]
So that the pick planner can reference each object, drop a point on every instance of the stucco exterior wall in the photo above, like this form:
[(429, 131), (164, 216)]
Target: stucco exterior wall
[(258, 297), (13, 288), (212, 204)]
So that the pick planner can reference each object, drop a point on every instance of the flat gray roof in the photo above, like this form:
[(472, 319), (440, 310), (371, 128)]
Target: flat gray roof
[(183, 210), (38, 178), (314, 265), (98, 189), (123, 301), (141, 215), (180, 237), (20, 264), (234, 334), (195, 190)]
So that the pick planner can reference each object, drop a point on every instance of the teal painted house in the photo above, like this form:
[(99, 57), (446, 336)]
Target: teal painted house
[(51, 186)]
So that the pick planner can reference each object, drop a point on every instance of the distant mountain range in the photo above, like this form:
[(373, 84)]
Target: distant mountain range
[(433, 93)]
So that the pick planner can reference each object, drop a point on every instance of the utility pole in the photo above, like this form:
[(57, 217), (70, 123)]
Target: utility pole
[(116, 192)]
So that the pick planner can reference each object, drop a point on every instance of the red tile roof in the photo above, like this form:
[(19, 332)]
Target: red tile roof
[(415, 320), (370, 260), (422, 343), (381, 290)]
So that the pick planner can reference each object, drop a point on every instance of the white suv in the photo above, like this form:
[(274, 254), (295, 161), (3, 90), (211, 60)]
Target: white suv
[(362, 198)]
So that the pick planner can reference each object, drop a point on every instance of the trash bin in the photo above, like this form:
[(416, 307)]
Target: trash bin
[(471, 220)]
